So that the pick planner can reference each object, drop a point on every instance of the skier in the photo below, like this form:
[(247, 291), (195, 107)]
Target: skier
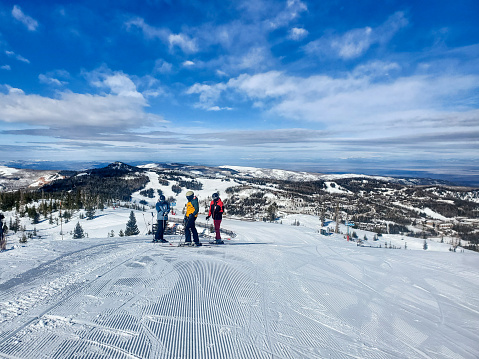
[(162, 209), (216, 211), (192, 209), (3, 242)]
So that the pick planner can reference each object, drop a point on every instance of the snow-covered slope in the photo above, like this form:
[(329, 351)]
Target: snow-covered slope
[(273, 291), (278, 174), (285, 175), (14, 178)]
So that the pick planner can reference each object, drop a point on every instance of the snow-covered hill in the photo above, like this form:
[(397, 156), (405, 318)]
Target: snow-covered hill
[(273, 291), (14, 178)]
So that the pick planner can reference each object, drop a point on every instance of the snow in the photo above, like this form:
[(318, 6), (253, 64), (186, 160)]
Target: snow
[(273, 291), (429, 212), (274, 173), (332, 187), (7, 171)]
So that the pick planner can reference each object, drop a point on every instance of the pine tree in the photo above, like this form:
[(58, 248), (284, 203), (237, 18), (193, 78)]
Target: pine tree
[(23, 239), (78, 231), (131, 227), (121, 233), (271, 211), (90, 213)]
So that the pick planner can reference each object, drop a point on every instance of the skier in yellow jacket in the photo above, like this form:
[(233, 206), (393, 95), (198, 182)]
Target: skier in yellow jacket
[(192, 209)]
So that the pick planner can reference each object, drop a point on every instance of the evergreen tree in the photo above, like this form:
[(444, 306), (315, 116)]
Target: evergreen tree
[(121, 233), (271, 212), (78, 231), (131, 227), (23, 239), (90, 213)]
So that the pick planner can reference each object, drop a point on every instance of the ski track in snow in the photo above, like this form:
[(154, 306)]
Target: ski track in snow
[(274, 291)]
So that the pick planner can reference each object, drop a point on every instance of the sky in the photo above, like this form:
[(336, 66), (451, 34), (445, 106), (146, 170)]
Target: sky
[(374, 87)]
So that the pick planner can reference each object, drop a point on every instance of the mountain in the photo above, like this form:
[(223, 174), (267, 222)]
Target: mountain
[(15, 178)]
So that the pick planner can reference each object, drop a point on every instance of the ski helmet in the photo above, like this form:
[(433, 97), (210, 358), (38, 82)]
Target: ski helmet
[(162, 198), (190, 193), (215, 196)]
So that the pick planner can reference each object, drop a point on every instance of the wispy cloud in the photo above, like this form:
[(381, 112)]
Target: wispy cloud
[(365, 103), (184, 42), (26, 20), (17, 57), (187, 44), (162, 66), (56, 78), (292, 11), (356, 42), (208, 95), (119, 105), (115, 82), (297, 33), (188, 63)]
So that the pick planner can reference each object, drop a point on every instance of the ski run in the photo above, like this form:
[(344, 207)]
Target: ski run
[(272, 291)]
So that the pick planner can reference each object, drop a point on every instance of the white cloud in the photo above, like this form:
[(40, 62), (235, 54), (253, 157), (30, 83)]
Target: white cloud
[(255, 58), (358, 103), (292, 11), (182, 41), (116, 83), (353, 44), (148, 30), (5, 67), (119, 107), (72, 110), (17, 57), (356, 42), (162, 66), (376, 69), (217, 108), (188, 63), (186, 44), (26, 20), (297, 33), (50, 80), (209, 94)]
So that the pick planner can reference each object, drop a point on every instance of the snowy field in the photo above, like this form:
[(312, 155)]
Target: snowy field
[(273, 291)]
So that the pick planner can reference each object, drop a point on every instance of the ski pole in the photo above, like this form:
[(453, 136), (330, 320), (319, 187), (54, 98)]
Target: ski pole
[(152, 222), (146, 225)]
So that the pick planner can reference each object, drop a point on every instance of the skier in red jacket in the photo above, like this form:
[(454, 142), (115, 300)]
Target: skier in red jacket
[(216, 211)]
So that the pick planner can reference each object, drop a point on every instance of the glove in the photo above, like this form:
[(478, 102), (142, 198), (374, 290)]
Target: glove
[(208, 217)]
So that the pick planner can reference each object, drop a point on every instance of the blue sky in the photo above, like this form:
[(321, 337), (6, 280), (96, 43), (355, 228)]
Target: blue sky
[(325, 86)]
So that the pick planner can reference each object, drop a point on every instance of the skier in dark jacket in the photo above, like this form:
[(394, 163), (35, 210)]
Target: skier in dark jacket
[(162, 209), (3, 242), (192, 209), (216, 211)]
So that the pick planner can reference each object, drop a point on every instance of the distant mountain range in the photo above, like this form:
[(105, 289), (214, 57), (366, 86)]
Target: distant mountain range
[(12, 178), (399, 176)]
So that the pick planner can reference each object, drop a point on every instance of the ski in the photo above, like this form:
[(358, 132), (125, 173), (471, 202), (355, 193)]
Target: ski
[(216, 242)]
